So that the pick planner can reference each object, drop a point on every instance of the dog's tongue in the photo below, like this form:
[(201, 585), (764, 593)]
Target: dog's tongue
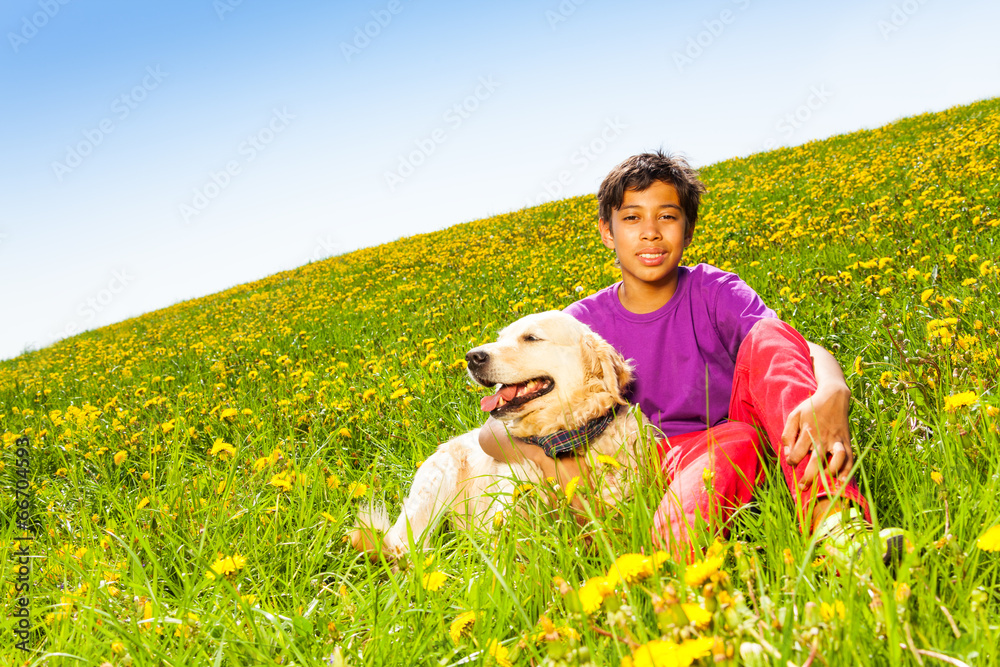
[(506, 392)]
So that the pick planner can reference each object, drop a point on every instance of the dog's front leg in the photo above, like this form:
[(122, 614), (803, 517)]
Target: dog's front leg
[(434, 488)]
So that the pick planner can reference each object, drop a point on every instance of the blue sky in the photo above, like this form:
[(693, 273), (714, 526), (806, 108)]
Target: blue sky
[(158, 151)]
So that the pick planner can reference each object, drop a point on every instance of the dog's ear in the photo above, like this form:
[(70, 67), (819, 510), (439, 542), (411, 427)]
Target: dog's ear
[(607, 364)]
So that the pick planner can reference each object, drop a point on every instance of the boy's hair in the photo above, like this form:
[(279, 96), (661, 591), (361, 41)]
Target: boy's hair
[(640, 171)]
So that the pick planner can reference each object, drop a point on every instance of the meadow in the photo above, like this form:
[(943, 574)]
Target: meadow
[(193, 472)]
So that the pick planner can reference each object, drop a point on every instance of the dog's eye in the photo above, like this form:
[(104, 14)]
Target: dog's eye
[(530, 338)]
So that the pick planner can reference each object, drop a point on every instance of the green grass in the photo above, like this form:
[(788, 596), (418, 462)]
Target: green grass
[(334, 380)]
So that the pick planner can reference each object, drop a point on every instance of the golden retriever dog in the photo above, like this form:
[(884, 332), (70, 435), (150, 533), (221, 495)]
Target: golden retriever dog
[(552, 374)]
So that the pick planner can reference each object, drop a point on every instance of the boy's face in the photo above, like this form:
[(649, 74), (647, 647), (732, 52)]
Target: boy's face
[(648, 234)]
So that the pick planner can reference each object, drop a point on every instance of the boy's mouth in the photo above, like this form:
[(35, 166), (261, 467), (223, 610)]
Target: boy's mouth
[(651, 257)]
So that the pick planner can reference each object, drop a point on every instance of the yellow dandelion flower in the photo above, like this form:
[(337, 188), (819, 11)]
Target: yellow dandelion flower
[(333, 482), (716, 548), (120, 456), (142, 503), (609, 461), (222, 566), (220, 488), (344, 433), (700, 617), (117, 647), (460, 625), (222, 449), (659, 653), (432, 581), (592, 593), (831, 611), (521, 490), (698, 572), (955, 401), (937, 477), (356, 490), (281, 481), (631, 568), (499, 653), (226, 565), (571, 488), (859, 368), (368, 393), (990, 540), (228, 413), (329, 517), (926, 294), (61, 472), (402, 391)]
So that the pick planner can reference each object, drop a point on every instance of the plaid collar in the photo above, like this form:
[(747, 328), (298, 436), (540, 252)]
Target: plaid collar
[(562, 442)]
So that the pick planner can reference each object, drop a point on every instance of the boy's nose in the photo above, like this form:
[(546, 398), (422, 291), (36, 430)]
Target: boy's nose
[(649, 230)]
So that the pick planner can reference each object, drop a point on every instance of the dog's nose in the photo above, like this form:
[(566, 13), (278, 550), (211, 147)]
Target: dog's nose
[(476, 358)]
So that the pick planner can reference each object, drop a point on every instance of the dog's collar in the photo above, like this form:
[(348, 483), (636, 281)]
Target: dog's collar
[(562, 442)]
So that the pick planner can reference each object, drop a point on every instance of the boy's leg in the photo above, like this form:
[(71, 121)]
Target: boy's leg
[(730, 454), (773, 376)]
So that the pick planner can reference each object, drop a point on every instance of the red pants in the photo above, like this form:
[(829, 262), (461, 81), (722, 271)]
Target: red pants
[(712, 473)]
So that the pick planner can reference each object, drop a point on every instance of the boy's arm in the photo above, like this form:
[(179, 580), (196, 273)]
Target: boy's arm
[(495, 441), (819, 426)]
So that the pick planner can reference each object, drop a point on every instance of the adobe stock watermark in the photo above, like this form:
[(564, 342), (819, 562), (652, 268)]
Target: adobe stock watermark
[(454, 117), (24, 510), (714, 28), (363, 35), (37, 21), (95, 304), (800, 115), (248, 150), (121, 108), (581, 158), (326, 246), (900, 16), (562, 12), (223, 7)]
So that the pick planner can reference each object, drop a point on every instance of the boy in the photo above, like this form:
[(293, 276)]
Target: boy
[(707, 353)]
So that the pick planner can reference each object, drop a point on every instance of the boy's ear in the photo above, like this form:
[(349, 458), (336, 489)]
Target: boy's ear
[(606, 237), (689, 236)]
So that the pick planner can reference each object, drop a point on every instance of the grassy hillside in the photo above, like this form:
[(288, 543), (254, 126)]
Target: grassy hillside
[(194, 471)]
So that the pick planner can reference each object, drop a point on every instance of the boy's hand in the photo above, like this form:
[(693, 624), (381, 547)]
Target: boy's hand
[(495, 441), (819, 427)]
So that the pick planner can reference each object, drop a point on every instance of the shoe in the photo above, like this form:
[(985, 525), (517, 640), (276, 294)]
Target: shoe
[(844, 535)]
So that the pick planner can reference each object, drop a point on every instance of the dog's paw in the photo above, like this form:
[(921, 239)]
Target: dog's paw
[(367, 540)]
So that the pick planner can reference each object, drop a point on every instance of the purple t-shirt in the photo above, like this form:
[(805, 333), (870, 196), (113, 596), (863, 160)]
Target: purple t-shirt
[(684, 354)]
